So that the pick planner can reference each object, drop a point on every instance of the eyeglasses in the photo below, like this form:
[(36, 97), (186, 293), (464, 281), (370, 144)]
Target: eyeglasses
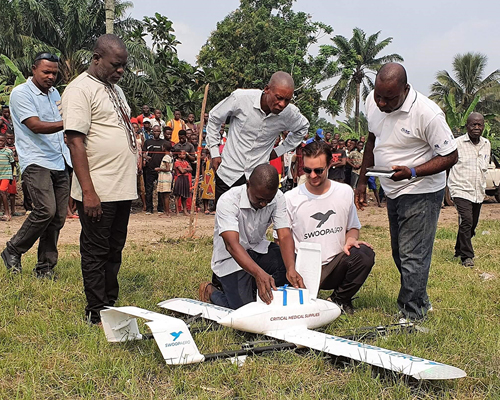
[(317, 171), (47, 56)]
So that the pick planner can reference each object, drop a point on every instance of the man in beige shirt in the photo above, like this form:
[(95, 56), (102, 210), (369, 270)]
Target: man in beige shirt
[(104, 154), (467, 184)]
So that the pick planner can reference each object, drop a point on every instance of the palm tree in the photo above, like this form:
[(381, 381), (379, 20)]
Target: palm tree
[(110, 15), (69, 28), (467, 84), (356, 58)]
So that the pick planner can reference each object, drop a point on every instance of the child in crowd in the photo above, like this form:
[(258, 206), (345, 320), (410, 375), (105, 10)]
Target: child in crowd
[(7, 164), (208, 181), (165, 177), (10, 141), (181, 187), (372, 185), (139, 138)]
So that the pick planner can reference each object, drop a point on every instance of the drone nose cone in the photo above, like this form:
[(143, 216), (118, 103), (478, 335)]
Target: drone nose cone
[(227, 321)]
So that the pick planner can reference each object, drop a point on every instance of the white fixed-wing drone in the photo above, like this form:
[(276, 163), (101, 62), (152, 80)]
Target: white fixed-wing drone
[(290, 317)]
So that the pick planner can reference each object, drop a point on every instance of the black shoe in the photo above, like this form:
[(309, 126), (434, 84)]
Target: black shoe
[(46, 274), (468, 263), (93, 319), (12, 262), (347, 308), (345, 305)]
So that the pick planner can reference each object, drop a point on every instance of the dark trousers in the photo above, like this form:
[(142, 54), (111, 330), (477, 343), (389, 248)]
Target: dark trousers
[(49, 192), (27, 203), (221, 187), (101, 245), (345, 274), (413, 222), (240, 288), (150, 177), (468, 217)]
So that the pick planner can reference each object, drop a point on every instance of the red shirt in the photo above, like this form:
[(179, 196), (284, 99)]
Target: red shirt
[(278, 164)]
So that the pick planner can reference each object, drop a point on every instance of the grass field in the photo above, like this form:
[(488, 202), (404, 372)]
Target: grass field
[(48, 351)]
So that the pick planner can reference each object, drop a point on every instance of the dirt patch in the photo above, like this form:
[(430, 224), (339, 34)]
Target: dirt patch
[(155, 228)]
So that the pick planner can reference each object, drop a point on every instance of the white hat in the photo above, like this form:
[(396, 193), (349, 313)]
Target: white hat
[(146, 120)]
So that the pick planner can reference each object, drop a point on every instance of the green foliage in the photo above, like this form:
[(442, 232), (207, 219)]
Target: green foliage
[(455, 118), (356, 58), (69, 28), (4, 88), (260, 38), (467, 84), (347, 128), (323, 124), (176, 82)]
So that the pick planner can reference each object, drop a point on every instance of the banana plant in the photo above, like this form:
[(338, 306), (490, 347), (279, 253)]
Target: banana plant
[(6, 89)]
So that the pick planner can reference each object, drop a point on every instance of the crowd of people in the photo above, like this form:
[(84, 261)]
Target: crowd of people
[(83, 154)]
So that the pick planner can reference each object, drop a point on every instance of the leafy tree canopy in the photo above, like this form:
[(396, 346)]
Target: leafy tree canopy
[(467, 83), (357, 57), (260, 38)]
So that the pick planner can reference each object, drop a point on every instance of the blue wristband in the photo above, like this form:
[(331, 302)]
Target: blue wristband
[(413, 173)]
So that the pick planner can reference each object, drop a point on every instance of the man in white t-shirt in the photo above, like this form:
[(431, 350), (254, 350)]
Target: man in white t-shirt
[(323, 211), (243, 260), (408, 133), (105, 160)]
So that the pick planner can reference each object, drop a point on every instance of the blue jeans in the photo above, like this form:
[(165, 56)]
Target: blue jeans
[(413, 221), (240, 288)]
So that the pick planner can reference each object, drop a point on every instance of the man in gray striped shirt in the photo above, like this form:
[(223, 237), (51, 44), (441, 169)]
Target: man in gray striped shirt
[(256, 119)]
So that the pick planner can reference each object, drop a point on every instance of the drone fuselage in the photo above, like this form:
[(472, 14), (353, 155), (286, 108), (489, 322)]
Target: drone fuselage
[(290, 308)]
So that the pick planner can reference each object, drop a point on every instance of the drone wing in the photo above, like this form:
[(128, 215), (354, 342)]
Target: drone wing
[(418, 368), (195, 307), (171, 334)]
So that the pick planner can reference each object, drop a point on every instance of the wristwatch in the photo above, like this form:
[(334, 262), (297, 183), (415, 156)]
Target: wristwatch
[(413, 174)]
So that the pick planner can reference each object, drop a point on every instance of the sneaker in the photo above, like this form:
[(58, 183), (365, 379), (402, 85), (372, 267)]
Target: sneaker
[(148, 213), (205, 291), (404, 319), (468, 263)]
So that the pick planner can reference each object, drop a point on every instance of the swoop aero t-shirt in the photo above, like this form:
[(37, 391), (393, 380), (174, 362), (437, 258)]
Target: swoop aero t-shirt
[(322, 219)]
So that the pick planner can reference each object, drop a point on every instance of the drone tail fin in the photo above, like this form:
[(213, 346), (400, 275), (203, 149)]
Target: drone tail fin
[(175, 342), (171, 334)]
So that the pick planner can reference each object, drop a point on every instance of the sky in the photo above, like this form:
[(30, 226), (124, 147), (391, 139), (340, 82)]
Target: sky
[(427, 34)]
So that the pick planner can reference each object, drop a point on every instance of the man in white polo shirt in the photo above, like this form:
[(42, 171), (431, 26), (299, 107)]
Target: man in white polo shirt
[(323, 211), (408, 133), (243, 260)]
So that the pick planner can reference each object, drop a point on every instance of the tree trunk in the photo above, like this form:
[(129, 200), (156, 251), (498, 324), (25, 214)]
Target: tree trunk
[(356, 110), (110, 15)]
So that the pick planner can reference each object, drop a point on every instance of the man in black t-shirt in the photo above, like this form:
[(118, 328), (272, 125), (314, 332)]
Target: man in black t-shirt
[(153, 154), (337, 166), (184, 145)]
